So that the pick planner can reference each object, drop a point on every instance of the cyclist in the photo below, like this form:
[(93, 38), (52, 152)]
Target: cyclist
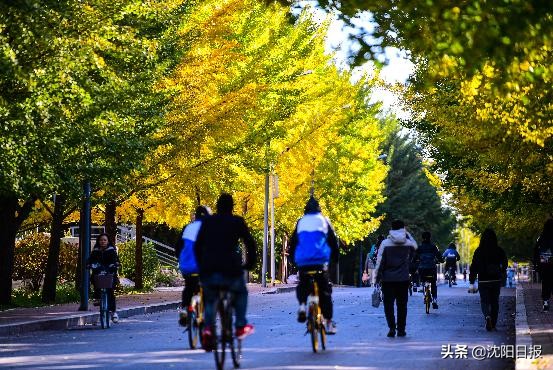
[(184, 251), (104, 258), (451, 257), (219, 258), (429, 255), (312, 245)]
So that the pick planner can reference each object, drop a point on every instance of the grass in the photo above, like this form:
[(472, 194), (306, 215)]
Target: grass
[(65, 293)]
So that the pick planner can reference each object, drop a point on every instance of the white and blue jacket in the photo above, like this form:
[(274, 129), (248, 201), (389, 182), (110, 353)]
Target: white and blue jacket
[(185, 249), (314, 241)]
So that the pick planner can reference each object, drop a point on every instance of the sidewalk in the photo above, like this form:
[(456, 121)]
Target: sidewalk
[(533, 326), (57, 317)]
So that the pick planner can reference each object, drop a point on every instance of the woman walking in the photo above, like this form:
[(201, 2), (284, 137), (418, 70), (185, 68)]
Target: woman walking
[(489, 264), (543, 262)]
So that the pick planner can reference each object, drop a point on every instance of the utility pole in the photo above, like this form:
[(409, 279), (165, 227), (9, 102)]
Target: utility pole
[(84, 245), (265, 232)]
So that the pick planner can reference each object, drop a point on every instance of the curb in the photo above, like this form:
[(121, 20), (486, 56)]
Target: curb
[(522, 331), (68, 322)]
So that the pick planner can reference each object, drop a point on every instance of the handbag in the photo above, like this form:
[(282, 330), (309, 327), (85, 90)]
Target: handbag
[(376, 297)]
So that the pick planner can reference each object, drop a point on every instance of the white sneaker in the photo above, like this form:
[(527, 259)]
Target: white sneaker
[(302, 316), (330, 327), (115, 317)]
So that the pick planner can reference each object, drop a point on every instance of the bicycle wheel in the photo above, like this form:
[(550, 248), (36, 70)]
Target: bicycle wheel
[(193, 329), (235, 344), (322, 334), (313, 329), (103, 309), (220, 337), (427, 301)]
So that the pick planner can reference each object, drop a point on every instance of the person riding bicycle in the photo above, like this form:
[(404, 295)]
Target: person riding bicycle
[(429, 255), (184, 251), (451, 257), (219, 258), (104, 259), (312, 245)]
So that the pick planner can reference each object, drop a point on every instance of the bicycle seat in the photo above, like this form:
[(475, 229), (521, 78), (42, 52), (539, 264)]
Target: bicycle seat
[(314, 272)]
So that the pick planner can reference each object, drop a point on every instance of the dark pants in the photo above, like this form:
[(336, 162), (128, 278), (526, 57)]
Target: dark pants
[(546, 283), (453, 268), (305, 287), (236, 285), (191, 287), (395, 292), (489, 299), (430, 275)]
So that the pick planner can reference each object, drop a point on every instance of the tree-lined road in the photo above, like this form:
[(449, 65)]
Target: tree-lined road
[(155, 341)]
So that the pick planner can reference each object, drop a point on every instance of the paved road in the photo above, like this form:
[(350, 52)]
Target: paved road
[(154, 341)]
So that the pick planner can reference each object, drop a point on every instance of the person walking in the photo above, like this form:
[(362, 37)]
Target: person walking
[(392, 269), (543, 262), (370, 262), (489, 264)]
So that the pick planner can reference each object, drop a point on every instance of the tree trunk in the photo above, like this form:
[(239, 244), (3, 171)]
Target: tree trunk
[(138, 267), (110, 224), (79, 251), (56, 232), (11, 217)]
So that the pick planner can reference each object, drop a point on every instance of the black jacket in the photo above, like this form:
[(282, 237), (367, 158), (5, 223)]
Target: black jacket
[(428, 256), (107, 259), (490, 264), (217, 247), (543, 258)]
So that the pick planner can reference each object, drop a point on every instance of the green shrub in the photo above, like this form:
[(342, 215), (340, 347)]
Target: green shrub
[(149, 259), (169, 276), (31, 255)]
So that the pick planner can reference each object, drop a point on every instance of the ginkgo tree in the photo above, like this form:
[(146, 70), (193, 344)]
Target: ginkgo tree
[(256, 95)]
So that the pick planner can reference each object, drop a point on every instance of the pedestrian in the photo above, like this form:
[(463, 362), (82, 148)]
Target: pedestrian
[(464, 274), (510, 276), (543, 262), (370, 262), (489, 264), (392, 269)]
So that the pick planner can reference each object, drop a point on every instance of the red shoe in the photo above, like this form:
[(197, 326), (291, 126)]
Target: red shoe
[(244, 331), (207, 339)]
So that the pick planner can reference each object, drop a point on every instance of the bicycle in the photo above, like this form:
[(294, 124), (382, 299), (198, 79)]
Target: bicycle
[(224, 335), (427, 293), (315, 320), (450, 276), (104, 281), (195, 320)]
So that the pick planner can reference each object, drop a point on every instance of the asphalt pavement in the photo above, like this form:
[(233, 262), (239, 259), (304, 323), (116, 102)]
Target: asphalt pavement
[(155, 341)]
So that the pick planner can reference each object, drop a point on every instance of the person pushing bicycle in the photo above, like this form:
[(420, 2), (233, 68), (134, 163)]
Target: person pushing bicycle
[(219, 258), (184, 251), (429, 255), (312, 245)]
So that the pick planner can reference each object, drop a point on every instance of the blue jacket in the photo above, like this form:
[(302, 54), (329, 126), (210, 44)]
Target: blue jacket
[(451, 256), (314, 241), (185, 248)]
